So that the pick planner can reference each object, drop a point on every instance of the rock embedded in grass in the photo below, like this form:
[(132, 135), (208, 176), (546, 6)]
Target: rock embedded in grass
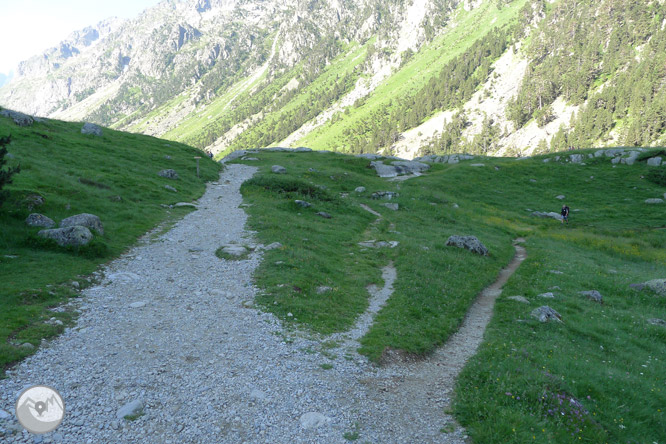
[(657, 321), (658, 286), (19, 118), (39, 220), (84, 220), (544, 214), (169, 174), (91, 128), (277, 169), (545, 314), (362, 190), (521, 299), (170, 188), (654, 201), (75, 236), (549, 295), (302, 203), (392, 206), (593, 295), (324, 214), (654, 161), (471, 243)]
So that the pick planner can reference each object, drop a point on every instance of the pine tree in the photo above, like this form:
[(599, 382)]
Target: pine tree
[(5, 176)]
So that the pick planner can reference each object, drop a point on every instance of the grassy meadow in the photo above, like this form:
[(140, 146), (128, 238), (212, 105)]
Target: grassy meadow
[(114, 177), (596, 377)]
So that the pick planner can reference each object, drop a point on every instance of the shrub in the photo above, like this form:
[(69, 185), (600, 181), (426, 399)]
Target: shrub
[(5, 176)]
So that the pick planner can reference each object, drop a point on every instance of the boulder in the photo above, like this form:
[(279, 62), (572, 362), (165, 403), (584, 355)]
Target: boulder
[(169, 174), (234, 250), (170, 188), (551, 214), (70, 236), (273, 246), (654, 161), (549, 295), (470, 243), (19, 118), (392, 206), (398, 168), (132, 408), (592, 295), (657, 286), (657, 321), (39, 220), (384, 194), (560, 197), (235, 155), (360, 189), (576, 158), (91, 128), (369, 156), (324, 214), (545, 314), (654, 201), (302, 203), (277, 169), (85, 220), (379, 244)]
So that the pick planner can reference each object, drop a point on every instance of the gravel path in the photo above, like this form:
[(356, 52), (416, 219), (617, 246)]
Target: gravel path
[(173, 326)]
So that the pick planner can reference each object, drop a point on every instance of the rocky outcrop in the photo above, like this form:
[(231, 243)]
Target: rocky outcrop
[(471, 243), (75, 236), (91, 128), (398, 168), (39, 220), (19, 118), (169, 174), (546, 314), (85, 220)]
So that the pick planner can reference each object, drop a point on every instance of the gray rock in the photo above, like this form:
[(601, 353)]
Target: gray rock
[(657, 286), (302, 203), (27, 345), (521, 299), (84, 220), (39, 220), (235, 155), (593, 295), (33, 200), (369, 156), (392, 206), (324, 214), (169, 174), (560, 197), (545, 314), (138, 304), (170, 188), (323, 289), (398, 168), (130, 409), (184, 204), (70, 236), (91, 128), (555, 272), (234, 250), (312, 420), (360, 189), (576, 158), (379, 244), (657, 321), (654, 201), (19, 118), (477, 164), (273, 246), (616, 160), (470, 243), (549, 295), (654, 161), (551, 215), (277, 169), (384, 195)]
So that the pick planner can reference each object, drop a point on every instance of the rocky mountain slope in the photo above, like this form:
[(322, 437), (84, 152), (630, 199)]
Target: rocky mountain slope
[(403, 76)]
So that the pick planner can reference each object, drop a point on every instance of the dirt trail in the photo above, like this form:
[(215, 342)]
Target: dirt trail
[(412, 396)]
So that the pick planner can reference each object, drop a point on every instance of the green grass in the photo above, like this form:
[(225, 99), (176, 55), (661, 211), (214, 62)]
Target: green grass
[(114, 177), (410, 78), (604, 362)]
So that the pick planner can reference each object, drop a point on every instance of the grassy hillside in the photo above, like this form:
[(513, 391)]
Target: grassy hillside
[(114, 177), (509, 391)]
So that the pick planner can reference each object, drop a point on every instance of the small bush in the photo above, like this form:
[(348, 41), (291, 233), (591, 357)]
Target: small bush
[(5, 176), (287, 187), (657, 175)]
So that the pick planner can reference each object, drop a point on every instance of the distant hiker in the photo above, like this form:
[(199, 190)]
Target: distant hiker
[(210, 154), (565, 214)]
